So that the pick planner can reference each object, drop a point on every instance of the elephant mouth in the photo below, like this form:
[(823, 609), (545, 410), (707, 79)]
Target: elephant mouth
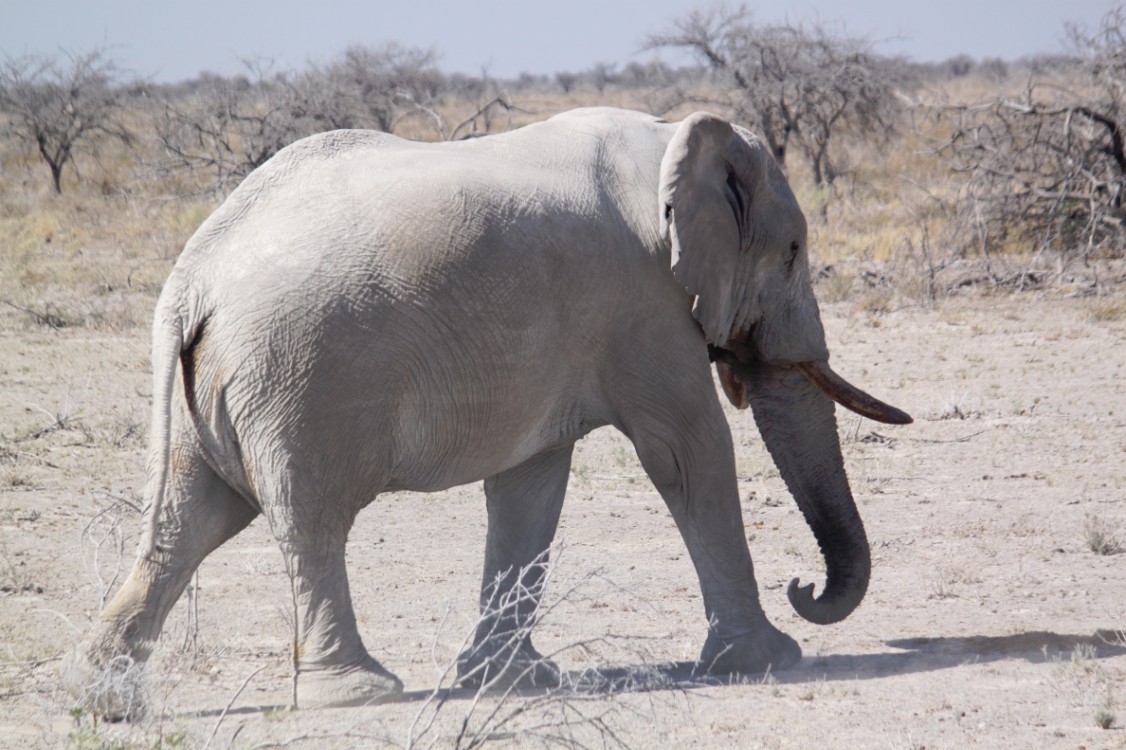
[(817, 372)]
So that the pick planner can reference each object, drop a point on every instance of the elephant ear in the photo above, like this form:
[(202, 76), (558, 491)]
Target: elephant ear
[(699, 206)]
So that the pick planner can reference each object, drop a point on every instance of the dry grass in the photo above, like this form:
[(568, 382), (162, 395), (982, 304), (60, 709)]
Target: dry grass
[(1107, 310), (92, 257), (1102, 535), (96, 256)]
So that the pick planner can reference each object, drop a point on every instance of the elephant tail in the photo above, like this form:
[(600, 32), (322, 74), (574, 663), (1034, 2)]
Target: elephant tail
[(177, 323)]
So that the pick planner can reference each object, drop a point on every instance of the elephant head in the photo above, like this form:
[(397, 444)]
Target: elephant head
[(739, 247)]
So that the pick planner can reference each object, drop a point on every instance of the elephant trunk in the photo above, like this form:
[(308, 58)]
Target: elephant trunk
[(799, 428)]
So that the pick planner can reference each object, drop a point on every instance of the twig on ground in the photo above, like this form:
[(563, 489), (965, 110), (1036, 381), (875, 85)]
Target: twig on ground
[(231, 702)]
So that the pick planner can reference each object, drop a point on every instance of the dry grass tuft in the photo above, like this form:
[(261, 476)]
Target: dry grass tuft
[(834, 285), (1107, 310), (875, 300), (1102, 536)]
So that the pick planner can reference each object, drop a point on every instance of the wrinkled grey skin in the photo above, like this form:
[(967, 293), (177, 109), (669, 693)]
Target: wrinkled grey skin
[(367, 314)]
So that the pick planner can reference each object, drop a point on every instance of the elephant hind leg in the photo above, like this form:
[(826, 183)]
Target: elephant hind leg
[(201, 512), (523, 506), (311, 517), (333, 668)]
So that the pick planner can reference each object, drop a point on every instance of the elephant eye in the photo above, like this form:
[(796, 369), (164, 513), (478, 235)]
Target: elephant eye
[(794, 247)]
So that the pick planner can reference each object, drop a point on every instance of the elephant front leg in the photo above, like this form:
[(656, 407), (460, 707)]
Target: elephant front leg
[(523, 506), (691, 461)]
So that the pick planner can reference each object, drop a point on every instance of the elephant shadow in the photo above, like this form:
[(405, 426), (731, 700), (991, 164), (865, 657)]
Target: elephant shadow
[(924, 654), (909, 656)]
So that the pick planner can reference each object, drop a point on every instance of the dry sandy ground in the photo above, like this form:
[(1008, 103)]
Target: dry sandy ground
[(990, 621)]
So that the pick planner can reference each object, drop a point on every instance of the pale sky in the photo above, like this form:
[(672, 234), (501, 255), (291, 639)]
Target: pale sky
[(170, 41)]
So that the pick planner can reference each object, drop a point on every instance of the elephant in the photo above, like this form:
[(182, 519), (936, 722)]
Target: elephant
[(367, 314)]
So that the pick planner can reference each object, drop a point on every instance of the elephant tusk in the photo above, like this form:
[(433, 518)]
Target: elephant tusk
[(849, 396), (733, 388)]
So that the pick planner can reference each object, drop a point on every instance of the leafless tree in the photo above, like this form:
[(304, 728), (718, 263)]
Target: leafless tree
[(61, 105), (566, 80), (601, 75), (1048, 168), (383, 83), (797, 86), (230, 126), (651, 73)]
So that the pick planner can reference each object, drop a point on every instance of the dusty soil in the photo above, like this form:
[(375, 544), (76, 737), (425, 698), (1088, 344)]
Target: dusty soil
[(990, 620)]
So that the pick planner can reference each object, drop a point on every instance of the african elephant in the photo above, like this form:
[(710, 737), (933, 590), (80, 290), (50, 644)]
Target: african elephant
[(367, 314)]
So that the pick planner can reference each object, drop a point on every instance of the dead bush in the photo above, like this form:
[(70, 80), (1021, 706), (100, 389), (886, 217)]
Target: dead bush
[(1046, 169)]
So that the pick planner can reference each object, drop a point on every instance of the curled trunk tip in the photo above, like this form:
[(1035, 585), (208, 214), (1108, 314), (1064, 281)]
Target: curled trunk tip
[(826, 609)]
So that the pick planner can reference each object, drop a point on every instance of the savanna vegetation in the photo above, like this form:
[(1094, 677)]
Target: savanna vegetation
[(920, 179)]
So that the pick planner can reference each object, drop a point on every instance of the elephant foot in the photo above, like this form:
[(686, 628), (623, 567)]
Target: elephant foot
[(502, 669), (113, 688), (367, 684), (764, 649)]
